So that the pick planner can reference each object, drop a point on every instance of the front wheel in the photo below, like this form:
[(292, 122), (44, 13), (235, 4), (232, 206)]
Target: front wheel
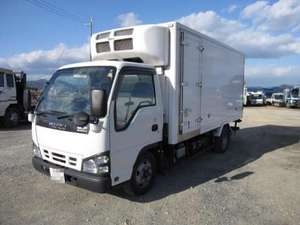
[(142, 175), (11, 117)]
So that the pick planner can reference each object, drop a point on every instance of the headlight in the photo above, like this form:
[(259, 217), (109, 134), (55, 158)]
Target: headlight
[(97, 164), (89, 166), (101, 160), (36, 151)]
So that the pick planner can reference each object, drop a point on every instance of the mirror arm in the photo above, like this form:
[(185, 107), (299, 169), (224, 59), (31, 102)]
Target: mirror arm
[(94, 120)]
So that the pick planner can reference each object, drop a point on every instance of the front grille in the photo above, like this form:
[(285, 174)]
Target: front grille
[(60, 159)]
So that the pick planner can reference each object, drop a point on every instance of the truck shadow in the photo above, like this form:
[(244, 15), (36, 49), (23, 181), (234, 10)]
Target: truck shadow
[(21, 126), (248, 145)]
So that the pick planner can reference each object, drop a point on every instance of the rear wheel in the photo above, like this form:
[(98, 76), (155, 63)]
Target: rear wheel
[(142, 175), (222, 142), (11, 117)]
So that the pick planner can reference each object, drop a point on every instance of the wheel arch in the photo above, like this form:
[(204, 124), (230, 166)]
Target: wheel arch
[(152, 148), (218, 131)]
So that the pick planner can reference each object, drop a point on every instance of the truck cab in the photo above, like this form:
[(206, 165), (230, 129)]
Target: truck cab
[(277, 99), (257, 98), (128, 119), (293, 99), (12, 86)]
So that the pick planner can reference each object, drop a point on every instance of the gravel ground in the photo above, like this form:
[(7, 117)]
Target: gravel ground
[(256, 182)]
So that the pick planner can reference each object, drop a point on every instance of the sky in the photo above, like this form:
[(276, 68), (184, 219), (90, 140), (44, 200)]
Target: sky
[(37, 41)]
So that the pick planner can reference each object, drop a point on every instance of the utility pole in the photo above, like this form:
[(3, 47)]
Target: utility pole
[(90, 24)]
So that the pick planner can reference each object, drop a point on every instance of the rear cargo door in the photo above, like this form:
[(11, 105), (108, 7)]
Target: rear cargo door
[(191, 82)]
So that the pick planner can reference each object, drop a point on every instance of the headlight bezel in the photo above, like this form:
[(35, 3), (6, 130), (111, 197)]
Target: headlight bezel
[(101, 164)]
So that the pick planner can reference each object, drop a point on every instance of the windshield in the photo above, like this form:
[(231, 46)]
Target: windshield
[(68, 91), (278, 97), (256, 96), (295, 93)]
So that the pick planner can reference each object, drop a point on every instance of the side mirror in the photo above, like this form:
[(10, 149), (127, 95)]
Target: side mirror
[(30, 117), (98, 103)]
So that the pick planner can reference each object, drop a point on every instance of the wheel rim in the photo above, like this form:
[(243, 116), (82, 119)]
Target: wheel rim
[(144, 173)]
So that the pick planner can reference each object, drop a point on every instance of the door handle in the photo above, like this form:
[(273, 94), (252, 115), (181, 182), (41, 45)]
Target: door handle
[(154, 127)]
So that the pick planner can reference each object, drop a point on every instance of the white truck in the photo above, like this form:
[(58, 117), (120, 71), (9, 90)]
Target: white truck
[(151, 95), (12, 97), (293, 98), (277, 99), (256, 98)]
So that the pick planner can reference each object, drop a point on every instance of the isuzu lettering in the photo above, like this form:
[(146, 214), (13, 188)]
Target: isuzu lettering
[(151, 95)]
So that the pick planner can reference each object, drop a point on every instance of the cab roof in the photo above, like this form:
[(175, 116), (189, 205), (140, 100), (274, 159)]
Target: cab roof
[(114, 63), (5, 70)]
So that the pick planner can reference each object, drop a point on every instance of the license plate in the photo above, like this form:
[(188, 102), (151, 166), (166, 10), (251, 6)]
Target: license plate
[(57, 175)]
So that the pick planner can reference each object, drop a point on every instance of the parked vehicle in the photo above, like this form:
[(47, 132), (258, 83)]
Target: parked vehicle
[(269, 100), (277, 99), (256, 98), (293, 99), (286, 94), (152, 95), (13, 95)]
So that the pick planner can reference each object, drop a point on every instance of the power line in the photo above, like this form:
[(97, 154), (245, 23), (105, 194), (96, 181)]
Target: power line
[(51, 8), (75, 16)]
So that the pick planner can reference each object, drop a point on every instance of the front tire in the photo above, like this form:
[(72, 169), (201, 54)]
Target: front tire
[(11, 117), (143, 174), (222, 143)]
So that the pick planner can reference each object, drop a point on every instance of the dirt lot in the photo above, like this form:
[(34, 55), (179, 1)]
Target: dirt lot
[(256, 182)]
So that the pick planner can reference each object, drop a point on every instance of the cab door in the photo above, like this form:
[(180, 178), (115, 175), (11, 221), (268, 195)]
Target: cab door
[(2, 95), (2, 84), (10, 89), (136, 119), (7, 91)]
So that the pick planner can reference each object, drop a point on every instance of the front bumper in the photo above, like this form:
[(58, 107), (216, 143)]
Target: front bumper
[(294, 103), (84, 180), (256, 103)]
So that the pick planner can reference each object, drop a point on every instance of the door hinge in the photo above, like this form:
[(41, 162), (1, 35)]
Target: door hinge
[(199, 84), (181, 37), (201, 48), (199, 119)]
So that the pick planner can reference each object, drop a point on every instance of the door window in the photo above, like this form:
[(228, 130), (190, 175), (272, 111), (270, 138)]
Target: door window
[(9, 80), (1, 79), (134, 92)]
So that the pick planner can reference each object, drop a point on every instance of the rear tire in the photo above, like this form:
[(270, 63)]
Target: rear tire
[(222, 143), (143, 174), (11, 118)]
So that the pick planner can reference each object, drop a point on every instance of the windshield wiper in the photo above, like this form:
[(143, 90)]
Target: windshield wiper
[(50, 112), (65, 116)]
